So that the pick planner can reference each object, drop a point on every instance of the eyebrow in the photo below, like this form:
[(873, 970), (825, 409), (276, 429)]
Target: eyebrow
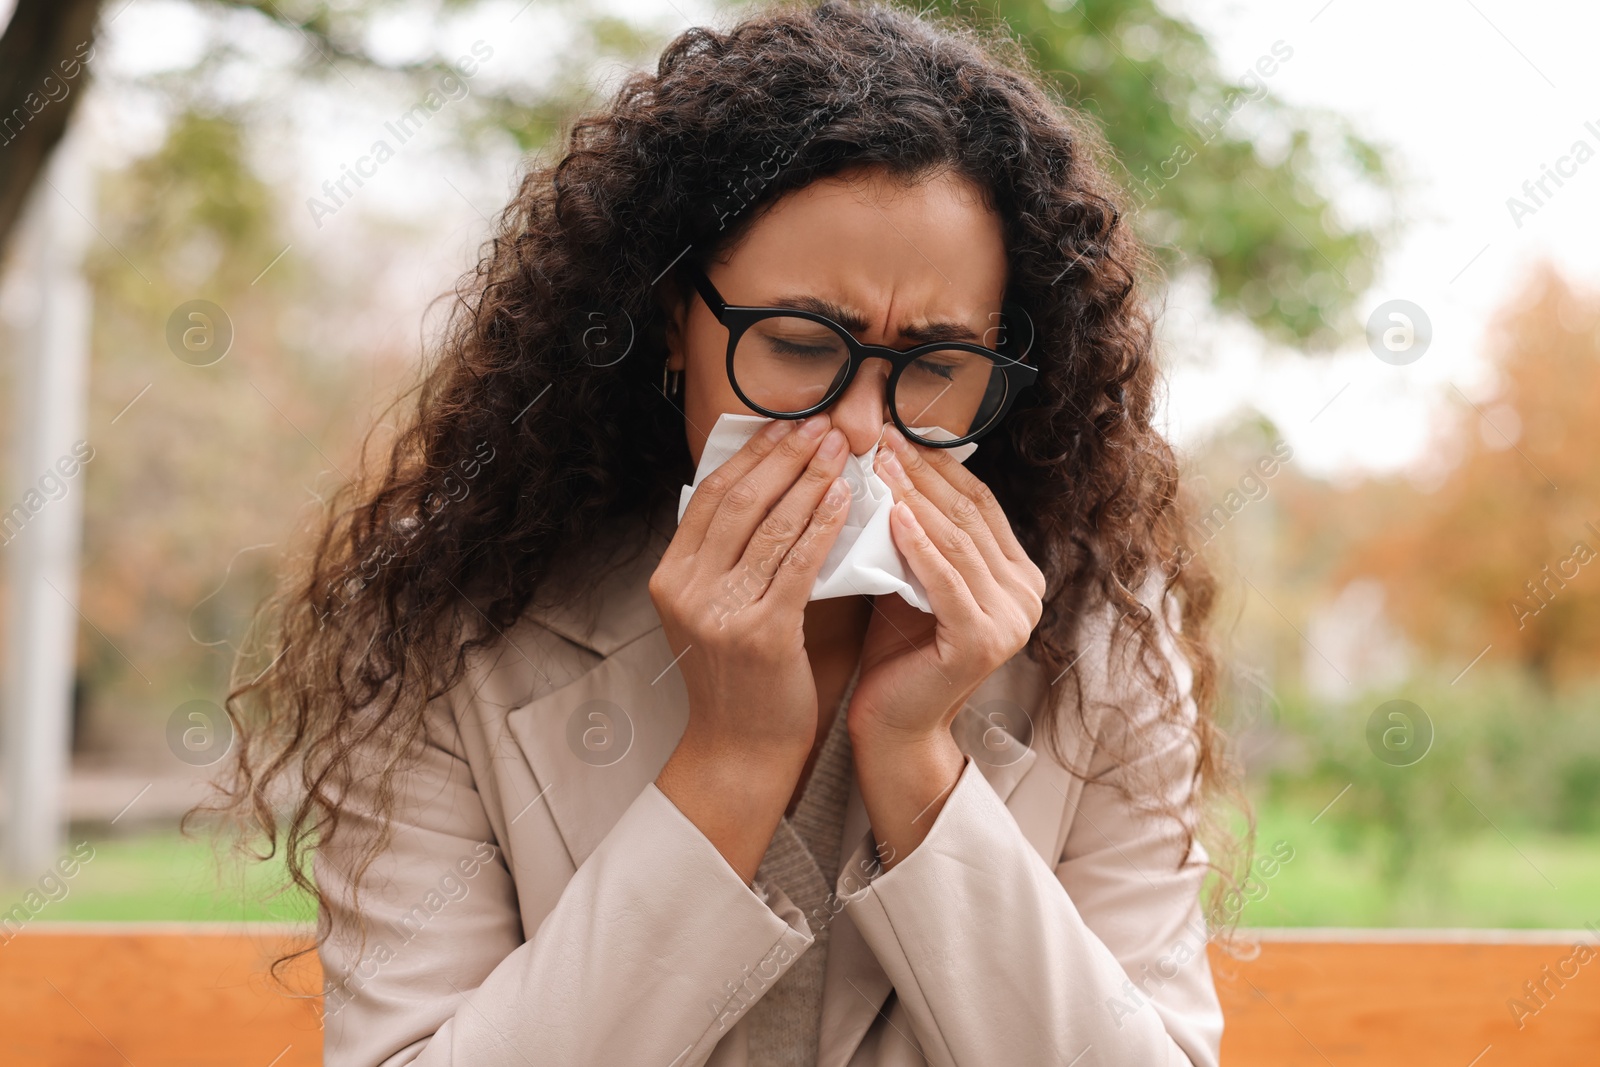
[(855, 322)]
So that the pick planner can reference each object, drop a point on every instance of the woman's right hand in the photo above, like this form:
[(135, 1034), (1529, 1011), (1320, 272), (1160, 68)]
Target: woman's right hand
[(732, 587), (731, 590)]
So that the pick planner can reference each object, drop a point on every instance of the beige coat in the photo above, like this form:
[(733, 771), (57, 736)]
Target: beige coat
[(538, 907)]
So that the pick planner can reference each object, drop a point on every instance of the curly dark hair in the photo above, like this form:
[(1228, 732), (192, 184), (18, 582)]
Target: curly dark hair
[(523, 444)]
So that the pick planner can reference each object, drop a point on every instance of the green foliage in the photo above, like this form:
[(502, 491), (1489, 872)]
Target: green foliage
[(526, 104), (194, 209), (1578, 794), (1506, 759), (1223, 176), (203, 158)]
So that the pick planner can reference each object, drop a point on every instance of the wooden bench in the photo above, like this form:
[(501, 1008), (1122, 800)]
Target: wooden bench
[(163, 995)]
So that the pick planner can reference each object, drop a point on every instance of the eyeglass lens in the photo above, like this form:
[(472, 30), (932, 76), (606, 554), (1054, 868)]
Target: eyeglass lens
[(788, 364)]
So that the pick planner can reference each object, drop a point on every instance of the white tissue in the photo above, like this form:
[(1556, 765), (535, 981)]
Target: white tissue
[(864, 558)]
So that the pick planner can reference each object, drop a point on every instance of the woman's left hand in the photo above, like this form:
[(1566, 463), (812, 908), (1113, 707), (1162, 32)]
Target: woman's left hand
[(918, 669)]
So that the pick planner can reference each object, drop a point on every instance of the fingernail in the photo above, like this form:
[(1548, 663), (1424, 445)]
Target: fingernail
[(832, 445), (895, 472), (777, 428), (815, 426), (896, 439)]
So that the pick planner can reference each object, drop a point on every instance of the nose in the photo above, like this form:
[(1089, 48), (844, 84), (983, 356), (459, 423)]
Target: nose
[(863, 409)]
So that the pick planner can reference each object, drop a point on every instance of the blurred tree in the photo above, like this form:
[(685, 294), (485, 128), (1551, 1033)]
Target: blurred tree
[(194, 472), (1505, 553), (44, 55), (198, 470), (1486, 769), (1224, 177), (47, 54)]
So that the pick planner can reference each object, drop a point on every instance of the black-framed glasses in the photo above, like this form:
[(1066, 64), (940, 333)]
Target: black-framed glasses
[(787, 363)]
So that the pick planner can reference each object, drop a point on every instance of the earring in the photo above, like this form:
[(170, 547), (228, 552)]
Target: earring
[(671, 381)]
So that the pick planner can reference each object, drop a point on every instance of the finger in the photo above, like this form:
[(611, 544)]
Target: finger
[(708, 494), (908, 472), (948, 594), (920, 461), (797, 572), (786, 523), (967, 545), (747, 503)]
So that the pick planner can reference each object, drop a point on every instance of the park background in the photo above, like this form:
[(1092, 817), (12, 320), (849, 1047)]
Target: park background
[(1306, 171)]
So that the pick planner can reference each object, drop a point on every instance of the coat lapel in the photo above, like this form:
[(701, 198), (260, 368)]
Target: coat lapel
[(596, 743)]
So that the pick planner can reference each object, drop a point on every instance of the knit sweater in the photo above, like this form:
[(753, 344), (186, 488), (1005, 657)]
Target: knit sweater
[(803, 860)]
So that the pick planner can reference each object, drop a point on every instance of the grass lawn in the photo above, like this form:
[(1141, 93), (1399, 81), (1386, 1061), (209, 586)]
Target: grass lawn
[(1532, 880), (160, 875), (1541, 880)]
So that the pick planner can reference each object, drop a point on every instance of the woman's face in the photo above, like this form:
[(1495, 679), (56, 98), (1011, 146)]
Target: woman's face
[(891, 256)]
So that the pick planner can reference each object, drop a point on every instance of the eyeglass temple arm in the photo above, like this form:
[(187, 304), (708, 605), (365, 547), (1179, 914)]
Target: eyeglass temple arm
[(708, 292)]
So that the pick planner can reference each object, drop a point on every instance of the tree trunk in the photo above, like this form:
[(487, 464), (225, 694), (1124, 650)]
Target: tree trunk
[(44, 68)]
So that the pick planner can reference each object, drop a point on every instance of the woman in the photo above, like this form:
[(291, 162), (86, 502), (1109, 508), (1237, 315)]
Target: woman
[(586, 785)]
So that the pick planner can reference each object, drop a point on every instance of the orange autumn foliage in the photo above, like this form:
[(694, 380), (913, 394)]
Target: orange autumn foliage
[(1505, 552)]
